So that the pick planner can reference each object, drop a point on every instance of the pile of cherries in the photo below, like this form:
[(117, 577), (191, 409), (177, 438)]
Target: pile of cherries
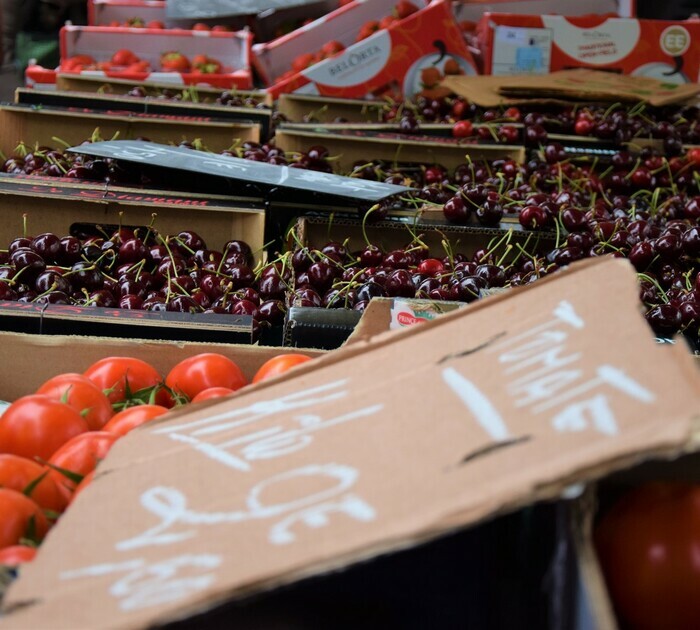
[(674, 125), (141, 269)]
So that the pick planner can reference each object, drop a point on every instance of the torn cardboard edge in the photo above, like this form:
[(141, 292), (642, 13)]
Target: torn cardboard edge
[(565, 85)]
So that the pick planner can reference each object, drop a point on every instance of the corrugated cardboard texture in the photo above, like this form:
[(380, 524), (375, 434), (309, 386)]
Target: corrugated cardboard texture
[(53, 205), (24, 124), (37, 358), (374, 448), (348, 149), (578, 84)]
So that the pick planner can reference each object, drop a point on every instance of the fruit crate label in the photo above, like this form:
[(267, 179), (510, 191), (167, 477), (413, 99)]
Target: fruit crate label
[(410, 312), (223, 8), (269, 176)]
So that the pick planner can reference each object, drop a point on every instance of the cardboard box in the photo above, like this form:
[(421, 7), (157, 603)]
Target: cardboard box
[(350, 146), (324, 109), (593, 598), (111, 85), (472, 10), (61, 206), (118, 12), (100, 43), (398, 231), (25, 123), (538, 44), (265, 25), (36, 358), (296, 478), (188, 111), (394, 60)]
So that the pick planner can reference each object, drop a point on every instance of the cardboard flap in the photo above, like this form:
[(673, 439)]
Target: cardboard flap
[(371, 449), (578, 84), (269, 177)]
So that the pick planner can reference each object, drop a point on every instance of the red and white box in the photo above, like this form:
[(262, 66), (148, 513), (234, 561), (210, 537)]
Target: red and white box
[(403, 59), (232, 50), (538, 44), (473, 10), (120, 12)]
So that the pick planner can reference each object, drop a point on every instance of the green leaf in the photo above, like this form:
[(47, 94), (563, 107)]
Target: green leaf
[(31, 486)]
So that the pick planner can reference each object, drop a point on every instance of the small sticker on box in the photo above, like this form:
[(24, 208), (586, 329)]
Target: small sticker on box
[(521, 50), (410, 312)]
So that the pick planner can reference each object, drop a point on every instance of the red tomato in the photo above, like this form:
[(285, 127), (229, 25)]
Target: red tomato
[(157, 24), (221, 28), (212, 392), (17, 473), (133, 417), (124, 57), (36, 426), (193, 375), (16, 555), (87, 480), (201, 26), (20, 517), (83, 395), (279, 365), (115, 373), (174, 62), (648, 545), (80, 456)]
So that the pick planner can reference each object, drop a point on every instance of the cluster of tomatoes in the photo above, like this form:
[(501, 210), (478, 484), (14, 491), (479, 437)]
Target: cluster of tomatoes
[(124, 60), (52, 441)]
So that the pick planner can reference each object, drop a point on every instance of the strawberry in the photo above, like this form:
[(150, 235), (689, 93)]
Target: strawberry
[(303, 61), (367, 29), (387, 21), (404, 8), (173, 61), (124, 57)]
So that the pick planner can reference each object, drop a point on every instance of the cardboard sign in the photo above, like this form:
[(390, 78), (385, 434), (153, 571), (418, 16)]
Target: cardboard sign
[(373, 448), (223, 8), (269, 176)]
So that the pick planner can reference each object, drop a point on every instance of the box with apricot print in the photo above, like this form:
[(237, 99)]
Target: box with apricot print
[(382, 48)]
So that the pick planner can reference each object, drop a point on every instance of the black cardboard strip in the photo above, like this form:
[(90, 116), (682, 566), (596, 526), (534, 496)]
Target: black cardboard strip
[(270, 177)]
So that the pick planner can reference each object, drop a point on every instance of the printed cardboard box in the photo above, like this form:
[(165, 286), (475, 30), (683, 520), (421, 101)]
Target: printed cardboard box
[(471, 11), (265, 25), (538, 44), (538, 388), (408, 57), (232, 50)]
